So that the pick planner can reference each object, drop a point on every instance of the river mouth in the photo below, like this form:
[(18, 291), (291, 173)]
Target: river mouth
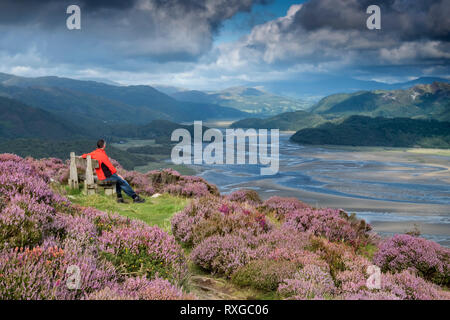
[(395, 190)]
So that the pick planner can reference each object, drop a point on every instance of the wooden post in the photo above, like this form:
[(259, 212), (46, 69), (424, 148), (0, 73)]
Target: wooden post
[(73, 177), (108, 191), (89, 183)]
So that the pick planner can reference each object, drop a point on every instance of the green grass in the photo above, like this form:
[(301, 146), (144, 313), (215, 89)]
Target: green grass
[(224, 285), (155, 211), (368, 251)]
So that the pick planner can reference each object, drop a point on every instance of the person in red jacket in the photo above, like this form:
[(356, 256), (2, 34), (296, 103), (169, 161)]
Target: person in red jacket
[(107, 172)]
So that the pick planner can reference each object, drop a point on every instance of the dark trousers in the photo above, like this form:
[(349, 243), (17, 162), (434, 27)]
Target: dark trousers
[(121, 184)]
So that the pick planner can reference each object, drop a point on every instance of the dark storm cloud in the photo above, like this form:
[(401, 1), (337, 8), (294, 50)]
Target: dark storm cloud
[(32, 11), (8, 6), (409, 20), (48, 12), (116, 31), (321, 31)]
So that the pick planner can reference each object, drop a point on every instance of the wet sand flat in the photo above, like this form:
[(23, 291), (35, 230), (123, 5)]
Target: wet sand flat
[(394, 189)]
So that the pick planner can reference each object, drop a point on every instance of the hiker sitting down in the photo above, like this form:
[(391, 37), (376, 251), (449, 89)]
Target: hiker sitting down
[(107, 172)]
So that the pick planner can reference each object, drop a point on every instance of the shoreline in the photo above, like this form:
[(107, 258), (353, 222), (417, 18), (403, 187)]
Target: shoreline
[(408, 211), (373, 167)]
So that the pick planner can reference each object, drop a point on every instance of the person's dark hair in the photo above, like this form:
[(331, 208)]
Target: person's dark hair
[(100, 143)]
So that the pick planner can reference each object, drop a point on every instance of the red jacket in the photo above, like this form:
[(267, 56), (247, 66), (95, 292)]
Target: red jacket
[(105, 169)]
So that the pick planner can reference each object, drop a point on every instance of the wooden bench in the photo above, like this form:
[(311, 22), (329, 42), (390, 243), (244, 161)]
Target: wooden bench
[(91, 183)]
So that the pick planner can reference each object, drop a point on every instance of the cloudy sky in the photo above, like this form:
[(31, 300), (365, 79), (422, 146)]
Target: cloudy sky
[(211, 44)]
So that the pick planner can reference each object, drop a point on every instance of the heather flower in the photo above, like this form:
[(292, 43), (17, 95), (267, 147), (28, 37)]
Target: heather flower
[(210, 216), (19, 177), (400, 286), (370, 295), (311, 282), (108, 293), (333, 224), (144, 250), (40, 273), (24, 221), (51, 169), (408, 286), (245, 195), (170, 181), (283, 243), (224, 209), (43, 234), (140, 182), (222, 254), (140, 288), (404, 252), (192, 189), (234, 222), (77, 227), (157, 289), (280, 207), (104, 221), (265, 275), (4, 157)]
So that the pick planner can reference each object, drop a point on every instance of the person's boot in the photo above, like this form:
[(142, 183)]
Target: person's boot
[(120, 200), (138, 199)]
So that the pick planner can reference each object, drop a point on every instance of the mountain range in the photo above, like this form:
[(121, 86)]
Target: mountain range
[(416, 116), (247, 99), (55, 108), (430, 101), (312, 86), (19, 120), (91, 103)]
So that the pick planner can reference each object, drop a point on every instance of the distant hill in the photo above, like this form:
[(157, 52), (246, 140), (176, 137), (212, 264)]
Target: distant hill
[(19, 120), (366, 131), (327, 85), (421, 102), (430, 101), (169, 90), (156, 129), (26, 130), (247, 99), (288, 121), (421, 80), (91, 102)]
